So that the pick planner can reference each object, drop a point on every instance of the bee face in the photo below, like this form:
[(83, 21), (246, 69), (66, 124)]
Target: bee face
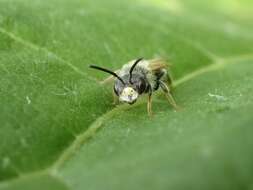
[(128, 95), (129, 92), (126, 92)]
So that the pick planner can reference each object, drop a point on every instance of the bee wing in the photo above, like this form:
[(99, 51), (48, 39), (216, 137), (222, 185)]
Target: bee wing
[(158, 64), (109, 79)]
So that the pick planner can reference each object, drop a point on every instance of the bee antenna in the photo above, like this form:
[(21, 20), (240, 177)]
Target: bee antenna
[(132, 68), (107, 71)]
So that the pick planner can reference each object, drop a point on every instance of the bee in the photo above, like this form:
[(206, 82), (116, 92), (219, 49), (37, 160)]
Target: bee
[(140, 77)]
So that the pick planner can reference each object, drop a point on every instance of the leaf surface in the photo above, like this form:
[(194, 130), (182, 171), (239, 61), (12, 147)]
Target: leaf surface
[(59, 128)]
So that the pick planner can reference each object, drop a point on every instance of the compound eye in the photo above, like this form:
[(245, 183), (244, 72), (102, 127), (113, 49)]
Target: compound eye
[(116, 90), (141, 86)]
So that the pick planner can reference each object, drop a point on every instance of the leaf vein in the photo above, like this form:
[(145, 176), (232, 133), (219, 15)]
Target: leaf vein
[(37, 48)]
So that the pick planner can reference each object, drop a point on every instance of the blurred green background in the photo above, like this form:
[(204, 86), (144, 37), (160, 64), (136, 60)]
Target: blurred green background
[(59, 129)]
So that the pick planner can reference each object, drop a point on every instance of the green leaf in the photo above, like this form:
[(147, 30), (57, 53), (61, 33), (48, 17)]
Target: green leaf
[(59, 129)]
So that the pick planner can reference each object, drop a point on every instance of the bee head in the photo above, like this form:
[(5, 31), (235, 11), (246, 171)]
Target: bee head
[(127, 87), (128, 95)]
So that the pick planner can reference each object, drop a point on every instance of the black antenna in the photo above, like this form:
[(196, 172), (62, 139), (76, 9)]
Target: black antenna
[(132, 68), (107, 71)]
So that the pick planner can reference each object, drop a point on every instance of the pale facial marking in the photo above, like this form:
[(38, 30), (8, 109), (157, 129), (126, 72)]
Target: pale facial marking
[(128, 95)]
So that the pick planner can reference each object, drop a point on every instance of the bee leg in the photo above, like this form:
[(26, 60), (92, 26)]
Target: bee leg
[(168, 95), (149, 105), (107, 80)]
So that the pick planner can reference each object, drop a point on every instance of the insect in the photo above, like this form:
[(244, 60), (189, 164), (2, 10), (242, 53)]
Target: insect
[(140, 77)]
